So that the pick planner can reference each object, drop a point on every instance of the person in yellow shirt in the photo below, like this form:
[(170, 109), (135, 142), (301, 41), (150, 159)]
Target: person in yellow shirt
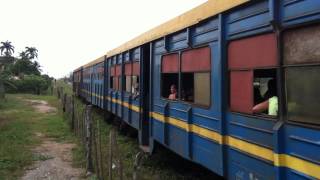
[(271, 104)]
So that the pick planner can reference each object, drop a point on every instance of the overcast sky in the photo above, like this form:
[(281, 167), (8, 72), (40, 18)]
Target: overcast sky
[(70, 33)]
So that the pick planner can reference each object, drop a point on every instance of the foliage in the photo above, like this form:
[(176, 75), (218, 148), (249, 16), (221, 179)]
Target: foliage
[(33, 83), (31, 52), (23, 73), (7, 48), (24, 66)]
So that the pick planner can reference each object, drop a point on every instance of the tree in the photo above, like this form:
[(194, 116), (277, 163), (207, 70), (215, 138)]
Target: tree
[(7, 48), (31, 52)]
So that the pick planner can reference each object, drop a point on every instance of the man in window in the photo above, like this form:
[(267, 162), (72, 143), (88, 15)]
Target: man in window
[(271, 104), (173, 92)]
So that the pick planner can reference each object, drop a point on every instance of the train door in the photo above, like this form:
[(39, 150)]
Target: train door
[(144, 103)]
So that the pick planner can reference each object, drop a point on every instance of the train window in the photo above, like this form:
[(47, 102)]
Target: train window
[(169, 88), (254, 92), (135, 79), (127, 79), (265, 92), (111, 83), (302, 90), (195, 76), (119, 83), (128, 83), (202, 89), (115, 83), (170, 76), (135, 86), (302, 45)]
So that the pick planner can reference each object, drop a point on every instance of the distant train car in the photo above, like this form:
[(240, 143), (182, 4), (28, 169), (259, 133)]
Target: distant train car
[(77, 81), (230, 85)]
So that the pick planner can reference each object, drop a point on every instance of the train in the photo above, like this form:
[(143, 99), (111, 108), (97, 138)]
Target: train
[(199, 85)]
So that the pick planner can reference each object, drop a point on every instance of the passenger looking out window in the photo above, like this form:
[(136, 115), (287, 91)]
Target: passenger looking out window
[(270, 104), (173, 92), (135, 90)]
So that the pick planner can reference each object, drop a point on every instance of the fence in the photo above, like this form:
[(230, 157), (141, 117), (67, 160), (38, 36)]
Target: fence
[(103, 156)]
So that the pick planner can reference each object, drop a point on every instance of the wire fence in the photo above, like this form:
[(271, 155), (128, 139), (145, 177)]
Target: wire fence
[(103, 155)]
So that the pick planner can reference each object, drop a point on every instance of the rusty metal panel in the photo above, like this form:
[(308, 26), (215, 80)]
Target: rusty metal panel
[(253, 52), (241, 91), (128, 69), (170, 63), (302, 45), (196, 60), (136, 69), (113, 71), (118, 70)]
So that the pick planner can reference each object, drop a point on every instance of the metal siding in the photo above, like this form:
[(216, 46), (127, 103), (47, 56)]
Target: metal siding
[(196, 60), (248, 20), (298, 11), (207, 153), (241, 91), (253, 52), (244, 167), (252, 129), (170, 63)]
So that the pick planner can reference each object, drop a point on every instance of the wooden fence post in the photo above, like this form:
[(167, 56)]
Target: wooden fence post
[(64, 101), (88, 123), (110, 164), (72, 113)]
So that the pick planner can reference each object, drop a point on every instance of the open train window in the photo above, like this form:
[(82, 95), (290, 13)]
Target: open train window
[(252, 62), (112, 77), (195, 76), (170, 76), (265, 92), (135, 79)]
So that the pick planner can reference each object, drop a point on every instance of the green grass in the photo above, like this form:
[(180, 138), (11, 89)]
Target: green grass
[(18, 126)]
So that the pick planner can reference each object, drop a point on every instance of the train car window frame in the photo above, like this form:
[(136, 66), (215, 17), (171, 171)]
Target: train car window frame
[(170, 73), (198, 72), (254, 68), (179, 78), (135, 79), (128, 77)]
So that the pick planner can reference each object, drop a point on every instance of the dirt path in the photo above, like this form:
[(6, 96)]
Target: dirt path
[(55, 158)]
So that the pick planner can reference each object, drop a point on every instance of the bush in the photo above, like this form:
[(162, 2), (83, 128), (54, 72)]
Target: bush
[(31, 84)]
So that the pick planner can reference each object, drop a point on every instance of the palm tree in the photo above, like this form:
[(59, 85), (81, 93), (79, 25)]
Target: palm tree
[(23, 55), (7, 48), (31, 52)]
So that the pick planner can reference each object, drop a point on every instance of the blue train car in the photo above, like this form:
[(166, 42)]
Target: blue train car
[(230, 85), (98, 84), (77, 81)]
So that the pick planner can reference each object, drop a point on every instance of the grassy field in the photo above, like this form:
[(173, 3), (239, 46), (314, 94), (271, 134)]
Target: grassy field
[(18, 125)]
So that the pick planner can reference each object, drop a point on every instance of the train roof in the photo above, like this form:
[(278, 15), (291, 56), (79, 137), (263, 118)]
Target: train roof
[(192, 17)]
